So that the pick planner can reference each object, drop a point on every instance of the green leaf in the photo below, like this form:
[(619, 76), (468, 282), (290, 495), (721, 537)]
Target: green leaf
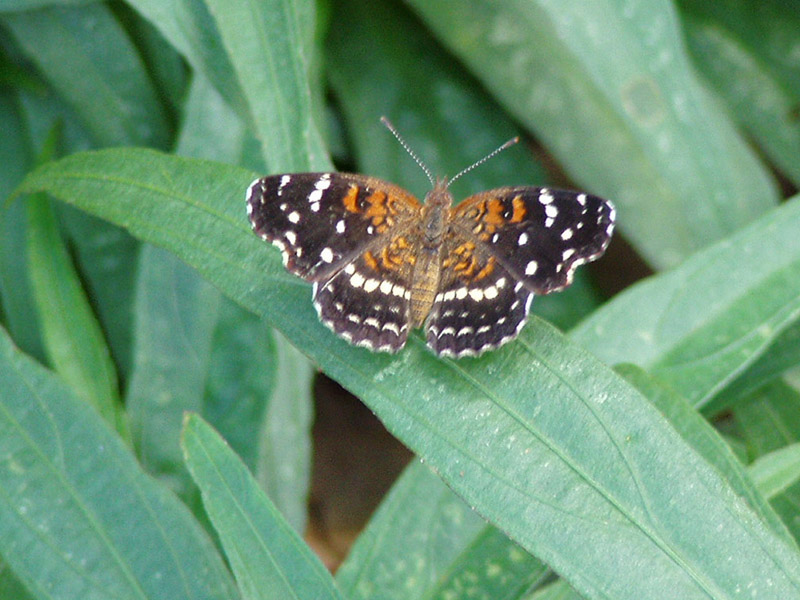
[(491, 568), (11, 586), (558, 590), (742, 49), (701, 324), (625, 509), (210, 128), (113, 94), (16, 157), (268, 558), (104, 255), (447, 550), (72, 336), (285, 445), (241, 376), (705, 440), (19, 5), (188, 26), (605, 84), (78, 517), (769, 417), (783, 354), (420, 520), (269, 44), (773, 473), (170, 370)]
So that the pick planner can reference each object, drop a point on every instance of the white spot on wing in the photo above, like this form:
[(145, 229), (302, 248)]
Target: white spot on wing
[(476, 294), (291, 237), (285, 179), (523, 239), (294, 216), (340, 226), (551, 210), (531, 268), (391, 327), (371, 285), (326, 255), (357, 280)]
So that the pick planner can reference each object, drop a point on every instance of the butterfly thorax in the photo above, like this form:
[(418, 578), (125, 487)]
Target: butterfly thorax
[(427, 266)]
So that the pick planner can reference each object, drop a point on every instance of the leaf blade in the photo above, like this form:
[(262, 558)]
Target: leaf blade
[(626, 96), (268, 558), (76, 509)]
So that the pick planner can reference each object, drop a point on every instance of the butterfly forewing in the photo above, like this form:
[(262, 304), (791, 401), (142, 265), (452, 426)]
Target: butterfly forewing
[(322, 221), (539, 235)]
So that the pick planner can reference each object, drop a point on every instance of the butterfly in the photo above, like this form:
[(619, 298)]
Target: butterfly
[(382, 263)]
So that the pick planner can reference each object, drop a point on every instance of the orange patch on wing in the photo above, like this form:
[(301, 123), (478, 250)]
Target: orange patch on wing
[(349, 200), (519, 209), (370, 260), (377, 207), (393, 255), (487, 270), (494, 213)]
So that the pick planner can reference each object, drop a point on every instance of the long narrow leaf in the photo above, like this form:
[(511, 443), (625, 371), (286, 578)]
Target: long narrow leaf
[(609, 89), (113, 94), (421, 520), (78, 517), (703, 323), (73, 339), (269, 44), (268, 558), (188, 26), (175, 315)]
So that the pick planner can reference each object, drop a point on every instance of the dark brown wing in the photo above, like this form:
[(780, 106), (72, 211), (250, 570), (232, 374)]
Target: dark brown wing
[(323, 221), (539, 235)]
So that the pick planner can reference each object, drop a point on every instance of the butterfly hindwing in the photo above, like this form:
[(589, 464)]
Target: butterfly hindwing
[(479, 305), (368, 301)]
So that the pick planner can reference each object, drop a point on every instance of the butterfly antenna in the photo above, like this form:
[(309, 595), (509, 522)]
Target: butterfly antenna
[(508, 144), (403, 143)]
